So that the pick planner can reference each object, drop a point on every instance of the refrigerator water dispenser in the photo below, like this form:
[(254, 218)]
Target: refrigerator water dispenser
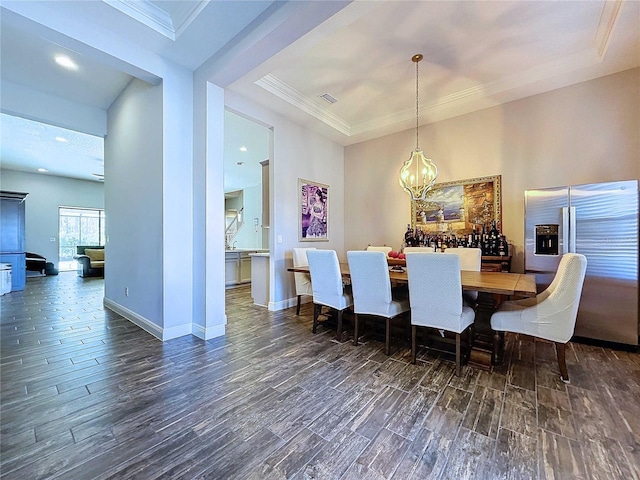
[(546, 240)]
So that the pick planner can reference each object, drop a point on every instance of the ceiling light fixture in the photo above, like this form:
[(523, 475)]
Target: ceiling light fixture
[(66, 62), (243, 149), (42, 170), (419, 180), (61, 140)]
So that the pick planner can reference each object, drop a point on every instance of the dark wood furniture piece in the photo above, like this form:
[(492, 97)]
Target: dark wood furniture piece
[(496, 264), (12, 236)]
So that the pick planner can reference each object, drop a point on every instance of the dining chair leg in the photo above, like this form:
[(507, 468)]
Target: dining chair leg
[(387, 338), (458, 361), (316, 313), (298, 306), (339, 332), (498, 346), (355, 329), (562, 363), (413, 344)]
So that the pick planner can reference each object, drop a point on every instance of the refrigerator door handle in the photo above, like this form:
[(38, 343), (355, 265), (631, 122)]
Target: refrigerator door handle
[(565, 230), (572, 229)]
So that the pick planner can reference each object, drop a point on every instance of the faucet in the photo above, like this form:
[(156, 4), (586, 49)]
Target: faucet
[(234, 245)]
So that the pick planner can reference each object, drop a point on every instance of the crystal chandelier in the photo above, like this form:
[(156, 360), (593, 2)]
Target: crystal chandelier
[(418, 174)]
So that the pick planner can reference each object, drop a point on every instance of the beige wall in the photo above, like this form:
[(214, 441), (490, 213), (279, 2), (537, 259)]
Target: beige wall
[(586, 133)]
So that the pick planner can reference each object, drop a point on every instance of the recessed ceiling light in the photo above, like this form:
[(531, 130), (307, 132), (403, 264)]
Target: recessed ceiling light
[(42, 170), (66, 62), (243, 149), (61, 139)]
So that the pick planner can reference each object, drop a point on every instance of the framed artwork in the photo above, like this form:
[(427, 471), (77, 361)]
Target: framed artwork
[(313, 215), (459, 207)]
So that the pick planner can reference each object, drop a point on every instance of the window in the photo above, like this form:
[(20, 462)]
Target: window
[(78, 226)]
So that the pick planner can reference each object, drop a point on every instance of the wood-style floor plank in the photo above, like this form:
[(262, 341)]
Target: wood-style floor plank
[(85, 394)]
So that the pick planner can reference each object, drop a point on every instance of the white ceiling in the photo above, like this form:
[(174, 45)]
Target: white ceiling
[(477, 53)]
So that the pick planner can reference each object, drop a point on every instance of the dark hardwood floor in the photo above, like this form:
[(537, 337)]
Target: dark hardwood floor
[(87, 395)]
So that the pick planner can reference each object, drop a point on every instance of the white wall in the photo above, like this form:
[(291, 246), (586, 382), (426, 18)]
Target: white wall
[(173, 155), (43, 107), (46, 194), (176, 190), (133, 156), (297, 153), (248, 237), (584, 133)]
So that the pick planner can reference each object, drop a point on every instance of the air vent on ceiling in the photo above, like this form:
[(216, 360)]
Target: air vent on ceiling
[(328, 98)]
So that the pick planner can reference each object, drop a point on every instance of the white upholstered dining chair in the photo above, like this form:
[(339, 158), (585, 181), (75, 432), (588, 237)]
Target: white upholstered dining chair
[(302, 280), (551, 315), (435, 296), (371, 290), (470, 259), (326, 283), (417, 249), (384, 249)]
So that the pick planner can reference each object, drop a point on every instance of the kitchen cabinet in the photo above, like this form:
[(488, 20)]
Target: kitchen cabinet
[(237, 266)]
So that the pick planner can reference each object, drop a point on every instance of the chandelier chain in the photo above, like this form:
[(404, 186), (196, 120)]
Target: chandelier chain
[(417, 110)]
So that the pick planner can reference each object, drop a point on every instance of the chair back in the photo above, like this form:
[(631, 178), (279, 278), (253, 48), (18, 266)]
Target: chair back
[(470, 258), (561, 304), (372, 248), (326, 279), (435, 290), (370, 282), (302, 280), (417, 249)]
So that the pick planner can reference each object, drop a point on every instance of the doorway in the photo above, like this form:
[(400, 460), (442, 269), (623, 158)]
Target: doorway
[(78, 226), (247, 146)]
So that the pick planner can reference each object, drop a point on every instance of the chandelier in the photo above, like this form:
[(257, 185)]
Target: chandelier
[(418, 174)]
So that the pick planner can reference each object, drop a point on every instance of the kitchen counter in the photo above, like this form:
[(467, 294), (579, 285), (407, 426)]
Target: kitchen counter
[(260, 278), (250, 250)]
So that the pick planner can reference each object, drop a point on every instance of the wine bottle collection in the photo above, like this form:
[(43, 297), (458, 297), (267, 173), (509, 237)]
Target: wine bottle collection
[(491, 241)]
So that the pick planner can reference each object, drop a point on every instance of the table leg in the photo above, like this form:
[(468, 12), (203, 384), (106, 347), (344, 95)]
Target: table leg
[(483, 353)]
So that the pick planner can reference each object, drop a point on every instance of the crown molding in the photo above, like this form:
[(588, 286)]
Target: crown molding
[(591, 55), (607, 23), (154, 17), (286, 92)]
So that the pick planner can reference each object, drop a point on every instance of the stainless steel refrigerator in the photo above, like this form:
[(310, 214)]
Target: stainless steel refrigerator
[(601, 222)]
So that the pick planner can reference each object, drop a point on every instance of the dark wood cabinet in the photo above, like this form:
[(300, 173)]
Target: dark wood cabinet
[(12, 236), (496, 264)]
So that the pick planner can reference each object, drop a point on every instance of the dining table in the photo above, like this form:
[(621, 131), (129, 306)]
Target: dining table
[(493, 289)]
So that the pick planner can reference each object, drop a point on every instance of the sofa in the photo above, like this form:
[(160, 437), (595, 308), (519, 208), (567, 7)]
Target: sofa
[(90, 260)]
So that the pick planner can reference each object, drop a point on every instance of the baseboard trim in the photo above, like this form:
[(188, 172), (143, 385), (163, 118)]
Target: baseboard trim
[(175, 332), (207, 333), (134, 318), (289, 302)]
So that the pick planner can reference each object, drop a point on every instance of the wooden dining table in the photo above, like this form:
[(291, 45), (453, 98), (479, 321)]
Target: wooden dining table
[(493, 289), (498, 283)]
